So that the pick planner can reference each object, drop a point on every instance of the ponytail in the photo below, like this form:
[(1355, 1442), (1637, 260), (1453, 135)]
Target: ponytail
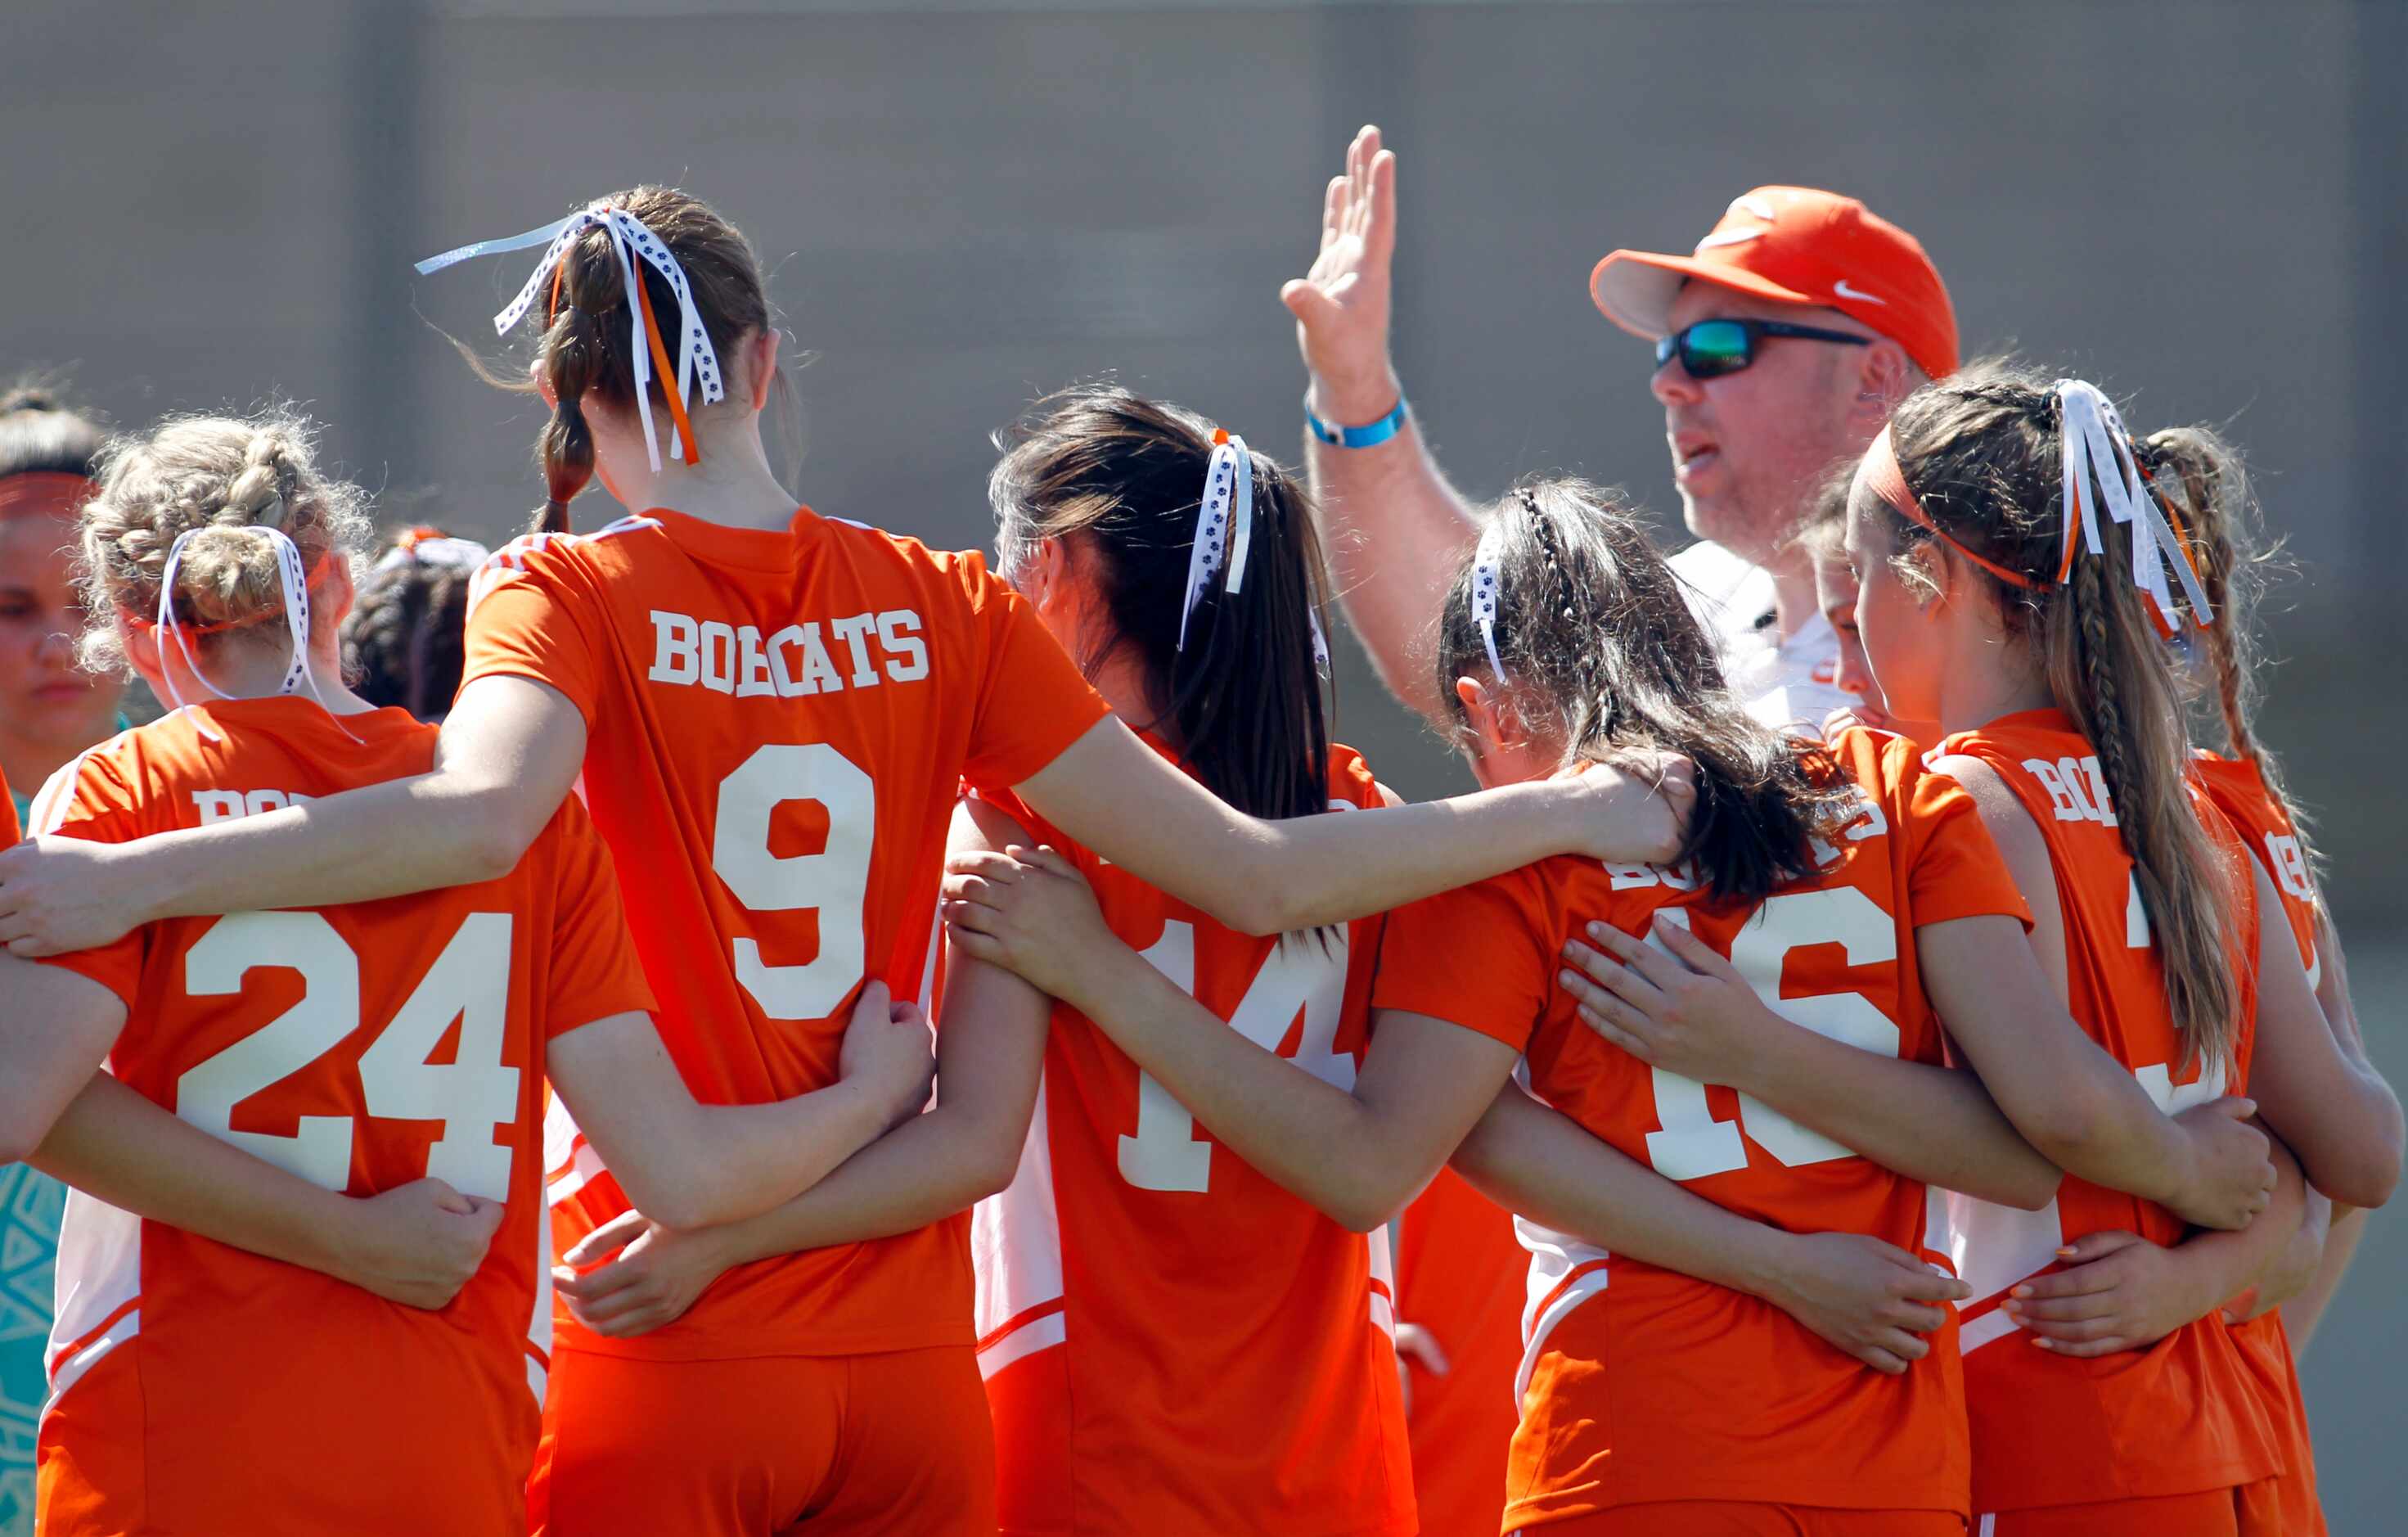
[(1120, 482)]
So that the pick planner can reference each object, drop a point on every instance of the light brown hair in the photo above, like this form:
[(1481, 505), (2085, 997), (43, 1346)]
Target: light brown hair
[(224, 477), (1980, 454)]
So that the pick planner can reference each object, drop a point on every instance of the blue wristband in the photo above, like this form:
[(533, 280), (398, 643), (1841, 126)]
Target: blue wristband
[(1355, 438)]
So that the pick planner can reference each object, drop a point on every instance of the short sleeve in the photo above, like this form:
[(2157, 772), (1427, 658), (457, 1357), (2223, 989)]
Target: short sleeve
[(1958, 871), (1477, 957), (593, 970), (1032, 702), (92, 798), (528, 618)]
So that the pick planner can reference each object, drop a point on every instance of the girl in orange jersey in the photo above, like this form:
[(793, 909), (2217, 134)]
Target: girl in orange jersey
[(772, 713), (1566, 634), (2019, 569), (2127, 1293), (360, 1048)]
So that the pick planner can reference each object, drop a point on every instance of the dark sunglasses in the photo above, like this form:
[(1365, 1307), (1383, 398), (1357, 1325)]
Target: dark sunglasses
[(1712, 348)]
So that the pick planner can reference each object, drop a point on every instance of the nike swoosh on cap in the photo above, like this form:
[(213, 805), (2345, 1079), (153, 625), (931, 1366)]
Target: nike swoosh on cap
[(1728, 237), (1756, 205), (1845, 290)]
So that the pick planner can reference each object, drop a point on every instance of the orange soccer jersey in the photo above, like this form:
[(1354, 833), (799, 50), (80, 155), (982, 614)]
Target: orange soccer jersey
[(361, 1047), (779, 723), (1641, 1385), (2183, 1416), (1460, 1269), (10, 831), (1172, 1342), (2289, 1501)]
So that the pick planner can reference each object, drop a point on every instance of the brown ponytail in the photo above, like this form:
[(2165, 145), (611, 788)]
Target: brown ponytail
[(1978, 451), (1602, 652)]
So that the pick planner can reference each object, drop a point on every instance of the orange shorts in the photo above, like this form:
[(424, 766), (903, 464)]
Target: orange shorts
[(2212, 1513), (821, 1444), (1733, 1518)]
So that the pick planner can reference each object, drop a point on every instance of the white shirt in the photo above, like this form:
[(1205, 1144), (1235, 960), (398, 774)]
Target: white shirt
[(1791, 683)]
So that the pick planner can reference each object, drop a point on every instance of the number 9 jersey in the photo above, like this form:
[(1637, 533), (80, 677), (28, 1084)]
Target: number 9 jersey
[(1642, 1384), (778, 724), (196, 1388)]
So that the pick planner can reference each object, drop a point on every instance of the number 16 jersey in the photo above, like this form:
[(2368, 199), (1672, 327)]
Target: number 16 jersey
[(778, 722)]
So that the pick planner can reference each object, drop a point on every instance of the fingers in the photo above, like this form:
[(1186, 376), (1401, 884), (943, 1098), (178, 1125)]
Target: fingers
[(1701, 957), (1925, 1285), (1045, 857), (1379, 215), (1333, 210), (2084, 1350), (487, 1212), (978, 946), (1917, 1318), (1001, 868), (1623, 982), (2240, 1107), (2097, 1246), (613, 1234), (2087, 1337), (2079, 1308)]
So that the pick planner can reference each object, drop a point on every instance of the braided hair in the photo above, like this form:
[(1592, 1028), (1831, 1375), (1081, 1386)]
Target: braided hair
[(1980, 453), (405, 640), (222, 480)]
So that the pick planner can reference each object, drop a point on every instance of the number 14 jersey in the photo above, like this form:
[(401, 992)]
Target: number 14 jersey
[(1640, 1384), (778, 722)]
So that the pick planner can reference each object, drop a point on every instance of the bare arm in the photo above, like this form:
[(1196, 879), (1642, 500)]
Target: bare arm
[(1359, 1157), (1114, 794), (2081, 1108), (2301, 1314), (1865, 1296), (687, 1164), (990, 1047), (508, 751), (2324, 1099), (417, 1244), (1394, 529), (1678, 1004), (55, 1032)]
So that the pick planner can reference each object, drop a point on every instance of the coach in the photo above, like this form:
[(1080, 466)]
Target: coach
[(1782, 344)]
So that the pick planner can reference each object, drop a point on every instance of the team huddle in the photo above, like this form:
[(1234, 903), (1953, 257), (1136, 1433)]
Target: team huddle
[(1880, 973)]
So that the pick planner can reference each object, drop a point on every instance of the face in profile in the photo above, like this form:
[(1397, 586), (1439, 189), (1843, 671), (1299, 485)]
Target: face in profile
[(1894, 618)]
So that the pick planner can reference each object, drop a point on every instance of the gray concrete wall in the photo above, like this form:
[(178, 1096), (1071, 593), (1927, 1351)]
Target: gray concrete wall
[(966, 203)]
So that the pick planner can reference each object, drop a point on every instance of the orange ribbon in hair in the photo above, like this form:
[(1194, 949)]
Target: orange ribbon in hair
[(1882, 477), (668, 374), (45, 491), (141, 621)]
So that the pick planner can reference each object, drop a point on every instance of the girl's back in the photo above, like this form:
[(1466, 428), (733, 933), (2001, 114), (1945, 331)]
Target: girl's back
[(1170, 1340), (778, 722), (362, 1047)]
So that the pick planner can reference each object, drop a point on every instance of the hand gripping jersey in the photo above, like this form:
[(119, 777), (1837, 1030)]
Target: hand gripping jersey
[(1638, 1384), (778, 724), (1172, 1342), (2181, 1417), (196, 1388), (1460, 1269), (2239, 791)]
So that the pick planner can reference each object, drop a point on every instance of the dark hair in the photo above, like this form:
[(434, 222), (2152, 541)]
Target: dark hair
[(39, 434), (1980, 453), (404, 638), (1601, 651), (585, 345), (1119, 480)]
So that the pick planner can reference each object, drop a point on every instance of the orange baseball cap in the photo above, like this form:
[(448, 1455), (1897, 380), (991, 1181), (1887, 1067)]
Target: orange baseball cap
[(1795, 245)]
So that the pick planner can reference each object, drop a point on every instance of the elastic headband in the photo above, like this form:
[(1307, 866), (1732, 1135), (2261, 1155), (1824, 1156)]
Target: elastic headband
[(1879, 473), (631, 239), (44, 491), (297, 618)]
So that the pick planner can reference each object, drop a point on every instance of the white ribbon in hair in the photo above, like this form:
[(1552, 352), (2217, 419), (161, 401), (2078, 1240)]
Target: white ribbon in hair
[(2097, 450), (1224, 517), (632, 239), (295, 580), (442, 550), (1487, 589)]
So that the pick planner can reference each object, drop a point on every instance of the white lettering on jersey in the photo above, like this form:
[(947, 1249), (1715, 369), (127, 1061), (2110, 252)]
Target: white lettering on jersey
[(2077, 789), (2290, 863), (224, 805), (792, 663)]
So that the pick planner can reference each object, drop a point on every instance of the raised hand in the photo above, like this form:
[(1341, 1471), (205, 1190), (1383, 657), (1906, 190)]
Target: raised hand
[(1342, 305)]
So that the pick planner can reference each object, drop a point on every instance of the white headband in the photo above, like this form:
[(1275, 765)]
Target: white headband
[(1488, 589), (2095, 445), (631, 239), (295, 582)]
